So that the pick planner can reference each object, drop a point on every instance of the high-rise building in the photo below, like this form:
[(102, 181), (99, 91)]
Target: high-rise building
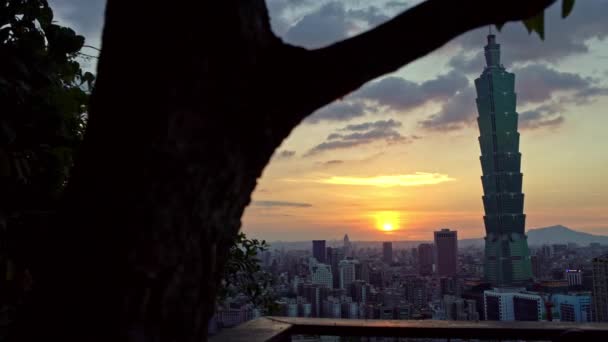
[(507, 258), (347, 273), (318, 250), (334, 256), (575, 307), (574, 277), (387, 252), (512, 304), (446, 246), (359, 291), (425, 259), (321, 274), (600, 288), (348, 247)]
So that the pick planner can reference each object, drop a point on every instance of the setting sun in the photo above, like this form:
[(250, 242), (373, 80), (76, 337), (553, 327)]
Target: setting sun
[(387, 221)]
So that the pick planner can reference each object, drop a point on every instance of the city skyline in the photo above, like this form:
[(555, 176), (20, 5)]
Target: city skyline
[(403, 147)]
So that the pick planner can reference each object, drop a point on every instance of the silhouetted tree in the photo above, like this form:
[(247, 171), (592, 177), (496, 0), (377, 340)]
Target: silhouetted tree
[(191, 100)]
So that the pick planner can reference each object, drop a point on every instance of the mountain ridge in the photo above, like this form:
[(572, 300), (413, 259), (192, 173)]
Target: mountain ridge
[(557, 234)]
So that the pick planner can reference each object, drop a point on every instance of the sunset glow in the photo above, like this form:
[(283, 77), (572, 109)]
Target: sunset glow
[(416, 179)]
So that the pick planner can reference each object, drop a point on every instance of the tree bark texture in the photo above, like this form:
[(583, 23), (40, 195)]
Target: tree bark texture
[(191, 100)]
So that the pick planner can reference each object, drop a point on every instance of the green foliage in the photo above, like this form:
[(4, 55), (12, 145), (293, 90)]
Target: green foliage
[(43, 105), (537, 22), (244, 276), (567, 6)]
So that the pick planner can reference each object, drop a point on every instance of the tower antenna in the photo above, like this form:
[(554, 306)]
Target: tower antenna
[(490, 28)]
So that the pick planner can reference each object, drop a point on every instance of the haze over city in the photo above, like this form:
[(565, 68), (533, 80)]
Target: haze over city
[(399, 158)]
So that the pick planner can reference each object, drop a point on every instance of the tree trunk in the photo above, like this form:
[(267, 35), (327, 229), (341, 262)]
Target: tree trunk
[(179, 132), (190, 102)]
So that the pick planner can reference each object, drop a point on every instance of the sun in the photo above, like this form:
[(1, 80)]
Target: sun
[(387, 227), (387, 221)]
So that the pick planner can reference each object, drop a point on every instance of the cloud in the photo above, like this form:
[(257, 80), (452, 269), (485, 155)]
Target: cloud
[(538, 83), (333, 162), (274, 204), (322, 27), (563, 38), (456, 113), (468, 64), (400, 94), (415, 179), (381, 124), (285, 154), (534, 84), (328, 23), (338, 111), (545, 116), (361, 134)]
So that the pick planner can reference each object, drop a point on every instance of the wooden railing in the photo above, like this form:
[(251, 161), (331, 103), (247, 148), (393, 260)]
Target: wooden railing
[(269, 329)]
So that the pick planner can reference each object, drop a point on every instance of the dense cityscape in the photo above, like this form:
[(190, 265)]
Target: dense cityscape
[(431, 281), (506, 280)]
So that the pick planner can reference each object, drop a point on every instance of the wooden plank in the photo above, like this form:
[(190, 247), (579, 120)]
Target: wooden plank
[(445, 329), (263, 329)]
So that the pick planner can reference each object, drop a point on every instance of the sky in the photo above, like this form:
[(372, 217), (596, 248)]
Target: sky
[(399, 157)]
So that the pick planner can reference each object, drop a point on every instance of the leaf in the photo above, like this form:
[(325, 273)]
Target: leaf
[(567, 6), (46, 17), (537, 24)]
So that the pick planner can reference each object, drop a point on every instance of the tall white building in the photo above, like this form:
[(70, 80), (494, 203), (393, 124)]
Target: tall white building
[(512, 304), (347, 273), (321, 275)]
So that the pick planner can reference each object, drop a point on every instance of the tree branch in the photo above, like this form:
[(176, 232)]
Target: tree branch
[(332, 72)]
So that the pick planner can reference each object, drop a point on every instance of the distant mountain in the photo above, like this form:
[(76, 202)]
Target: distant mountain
[(536, 237), (561, 234), (548, 236)]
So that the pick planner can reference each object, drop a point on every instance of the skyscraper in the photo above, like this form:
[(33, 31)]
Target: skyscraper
[(334, 256), (446, 244), (321, 274), (387, 252), (600, 288), (348, 247), (425, 259), (507, 258), (318, 250), (347, 273)]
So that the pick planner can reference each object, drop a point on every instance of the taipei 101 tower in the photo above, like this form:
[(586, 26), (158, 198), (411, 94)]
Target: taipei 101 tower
[(507, 257)]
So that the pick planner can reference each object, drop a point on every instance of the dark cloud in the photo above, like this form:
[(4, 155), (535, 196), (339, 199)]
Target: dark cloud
[(468, 64), (329, 23), (393, 93), (285, 154), (563, 37), (372, 15), (277, 9), (380, 124), (400, 94), (362, 134), (534, 84), (273, 204), (338, 111), (537, 83), (322, 27), (456, 113), (544, 116), (333, 162), (396, 4)]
